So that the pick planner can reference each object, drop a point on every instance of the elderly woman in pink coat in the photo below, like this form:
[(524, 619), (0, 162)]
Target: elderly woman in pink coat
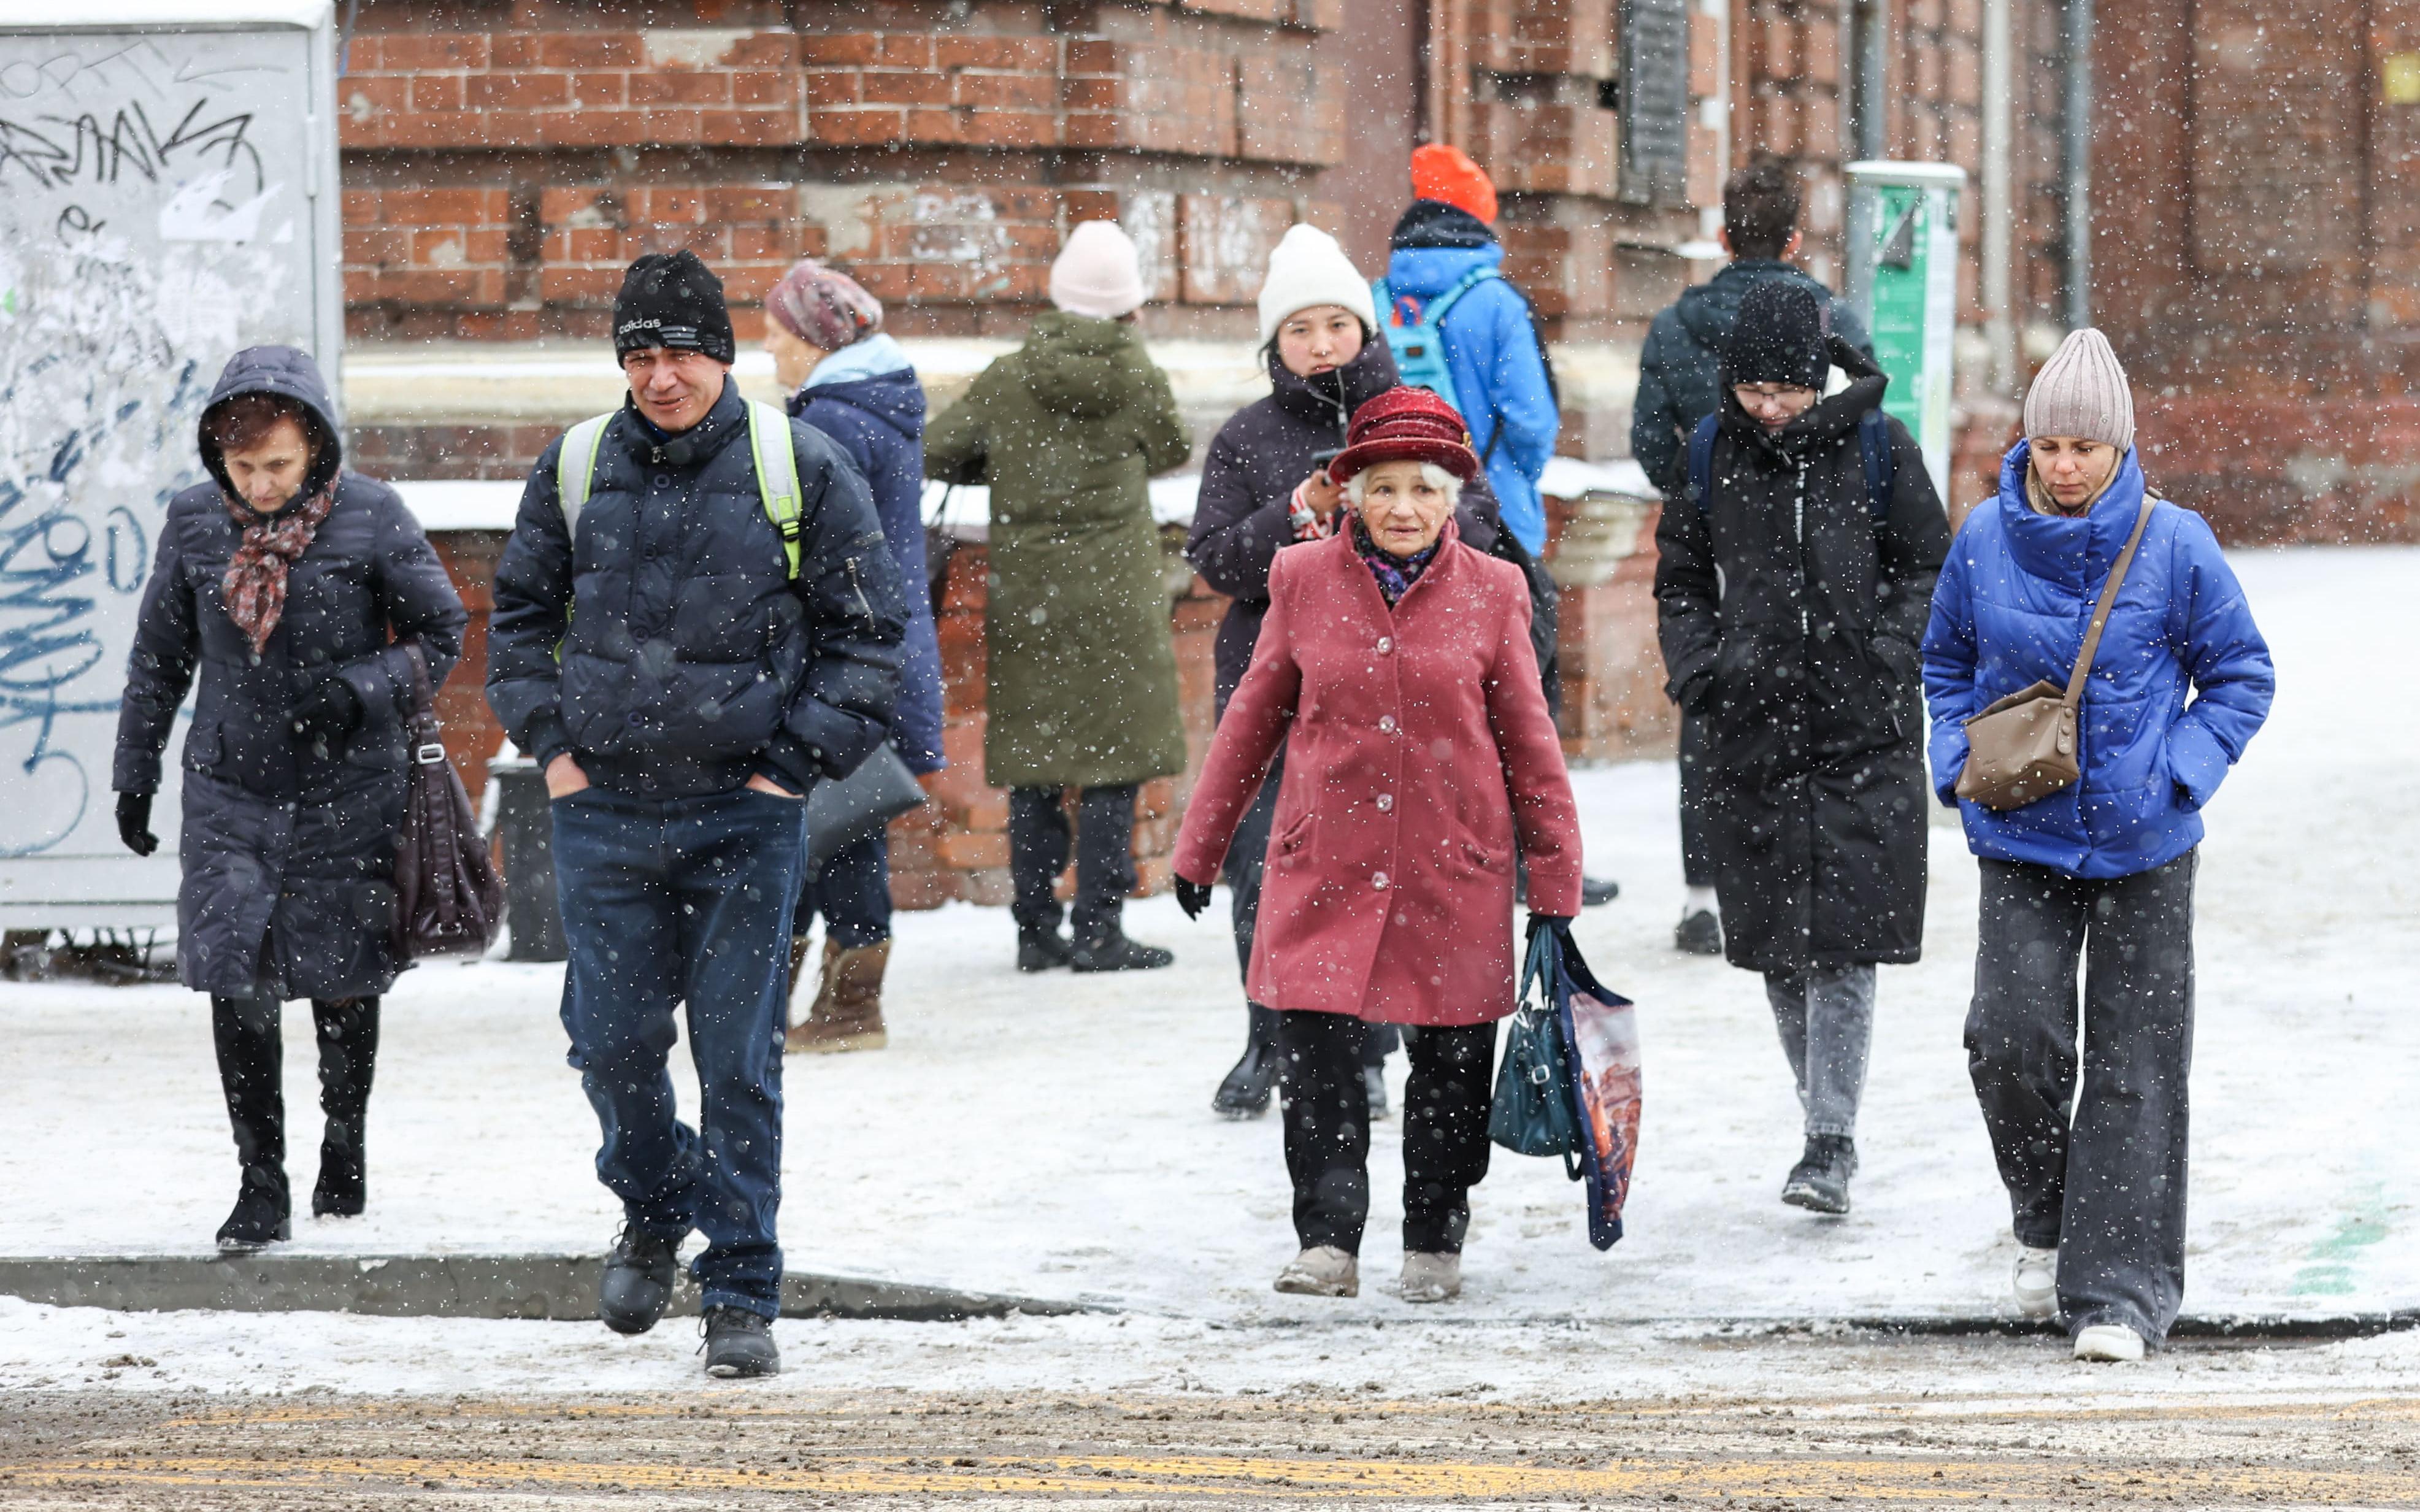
[(1421, 767)]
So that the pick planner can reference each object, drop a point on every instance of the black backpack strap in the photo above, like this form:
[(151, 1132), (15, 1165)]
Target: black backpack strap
[(1874, 440), (1702, 461)]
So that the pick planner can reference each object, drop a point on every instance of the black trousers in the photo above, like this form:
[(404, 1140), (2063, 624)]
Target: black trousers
[(1248, 859), (1327, 1129), (1697, 817), (251, 1047), (2105, 1183), (1038, 844)]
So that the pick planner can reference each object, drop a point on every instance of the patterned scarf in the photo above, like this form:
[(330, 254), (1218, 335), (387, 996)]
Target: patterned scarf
[(1395, 575), (256, 575)]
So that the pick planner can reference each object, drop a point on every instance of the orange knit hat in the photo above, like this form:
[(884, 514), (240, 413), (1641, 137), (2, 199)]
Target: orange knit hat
[(1447, 174)]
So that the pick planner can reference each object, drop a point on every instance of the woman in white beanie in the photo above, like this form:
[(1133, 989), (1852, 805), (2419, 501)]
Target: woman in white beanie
[(2099, 873)]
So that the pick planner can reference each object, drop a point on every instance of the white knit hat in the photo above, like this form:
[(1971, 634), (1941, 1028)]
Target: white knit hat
[(1308, 269), (2081, 391), (1098, 272)]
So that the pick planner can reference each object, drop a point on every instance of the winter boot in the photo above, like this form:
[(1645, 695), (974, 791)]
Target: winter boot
[(2108, 1344), (2035, 1282), (1700, 933), (1105, 947), (1245, 1093), (800, 946), (1431, 1277), (738, 1343), (1595, 892), (1819, 1181), (1042, 948), (847, 1012), (247, 1038), (637, 1281), (1322, 1271), (263, 1214), (347, 1059)]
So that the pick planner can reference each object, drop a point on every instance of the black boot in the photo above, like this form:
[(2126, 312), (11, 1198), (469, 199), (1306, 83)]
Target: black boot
[(1595, 892), (1245, 1093), (245, 1033), (738, 1343), (1819, 1181), (1700, 933), (1041, 949), (348, 1058), (1105, 947), (637, 1281)]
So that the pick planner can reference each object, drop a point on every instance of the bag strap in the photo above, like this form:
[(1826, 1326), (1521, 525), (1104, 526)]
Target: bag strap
[(1702, 461), (575, 470), (1874, 443), (1434, 315), (2108, 601), (777, 475)]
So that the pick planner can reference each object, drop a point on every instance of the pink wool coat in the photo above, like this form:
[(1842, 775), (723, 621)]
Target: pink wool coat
[(1389, 893)]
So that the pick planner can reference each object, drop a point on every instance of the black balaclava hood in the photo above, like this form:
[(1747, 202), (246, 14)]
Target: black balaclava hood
[(672, 300), (1783, 335)]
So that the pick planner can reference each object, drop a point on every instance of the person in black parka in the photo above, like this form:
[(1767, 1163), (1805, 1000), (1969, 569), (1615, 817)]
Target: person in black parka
[(1790, 613), (299, 592)]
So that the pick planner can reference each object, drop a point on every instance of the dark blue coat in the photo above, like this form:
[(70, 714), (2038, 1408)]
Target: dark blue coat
[(879, 422), (690, 660), (288, 850), (2011, 611)]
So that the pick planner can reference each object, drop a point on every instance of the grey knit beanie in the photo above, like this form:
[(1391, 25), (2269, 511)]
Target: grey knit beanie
[(2081, 391)]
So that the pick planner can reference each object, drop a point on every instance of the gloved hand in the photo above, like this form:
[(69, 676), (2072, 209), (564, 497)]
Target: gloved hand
[(1560, 924), (327, 713), (1192, 897), (134, 823)]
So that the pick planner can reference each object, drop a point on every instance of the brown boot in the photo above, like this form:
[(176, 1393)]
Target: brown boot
[(847, 1012)]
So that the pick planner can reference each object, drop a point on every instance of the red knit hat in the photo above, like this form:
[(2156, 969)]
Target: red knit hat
[(1447, 175), (1405, 426)]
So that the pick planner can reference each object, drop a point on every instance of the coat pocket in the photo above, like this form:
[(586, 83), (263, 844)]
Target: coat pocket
[(1290, 847)]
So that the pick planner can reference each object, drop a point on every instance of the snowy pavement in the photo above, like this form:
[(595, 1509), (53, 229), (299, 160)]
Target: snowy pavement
[(1051, 1136)]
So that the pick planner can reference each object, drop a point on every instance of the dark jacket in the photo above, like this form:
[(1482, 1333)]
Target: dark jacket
[(1242, 514), (1080, 667), (880, 423), (1679, 382), (288, 850), (2011, 610), (691, 660), (1797, 643)]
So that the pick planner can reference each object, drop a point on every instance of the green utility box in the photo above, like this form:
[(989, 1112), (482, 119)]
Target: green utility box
[(1904, 280)]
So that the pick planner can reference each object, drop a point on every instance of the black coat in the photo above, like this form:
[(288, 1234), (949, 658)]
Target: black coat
[(1799, 646), (288, 850), (1241, 516), (691, 660)]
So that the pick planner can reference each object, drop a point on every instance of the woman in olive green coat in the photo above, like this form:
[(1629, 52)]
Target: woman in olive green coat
[(1082, 675)]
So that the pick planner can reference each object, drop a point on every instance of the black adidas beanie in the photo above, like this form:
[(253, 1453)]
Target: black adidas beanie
[(1783, 335), (672, 300)]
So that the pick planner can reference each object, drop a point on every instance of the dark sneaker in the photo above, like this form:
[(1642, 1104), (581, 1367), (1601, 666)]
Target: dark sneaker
[(1113, 951), (263, 1215), (1819, 1181), (637, 1281), (740, 1343), (1595, 892), (1041, 950), (1700, 933), (1245, 1093), (1373, 1081)]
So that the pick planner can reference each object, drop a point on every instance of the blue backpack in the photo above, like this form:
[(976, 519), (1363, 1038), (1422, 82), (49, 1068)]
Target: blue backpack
[(1873, 445), (1416, 333)]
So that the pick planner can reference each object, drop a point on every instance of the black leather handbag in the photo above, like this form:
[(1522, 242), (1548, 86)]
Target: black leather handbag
[(448, 898)]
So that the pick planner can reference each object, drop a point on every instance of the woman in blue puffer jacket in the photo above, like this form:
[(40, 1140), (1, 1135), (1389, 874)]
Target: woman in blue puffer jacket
[(2103, 869), (856, 385)]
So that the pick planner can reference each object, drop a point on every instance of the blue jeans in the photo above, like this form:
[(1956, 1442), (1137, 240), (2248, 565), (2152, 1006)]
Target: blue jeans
[(852, 892), (666, 902)]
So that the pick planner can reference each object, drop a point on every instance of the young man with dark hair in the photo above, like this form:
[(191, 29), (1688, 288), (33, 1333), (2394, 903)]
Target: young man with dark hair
[(1678, 385)]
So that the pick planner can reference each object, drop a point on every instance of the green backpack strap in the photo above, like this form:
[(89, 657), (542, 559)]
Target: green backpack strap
[(777, 474), (575, 470)]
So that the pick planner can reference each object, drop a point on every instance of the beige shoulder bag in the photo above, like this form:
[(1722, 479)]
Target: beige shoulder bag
[(2023, 749)]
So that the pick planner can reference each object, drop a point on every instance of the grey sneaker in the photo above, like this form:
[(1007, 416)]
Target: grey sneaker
[(738, 1343), (1431, 1277), (1322, 1271)]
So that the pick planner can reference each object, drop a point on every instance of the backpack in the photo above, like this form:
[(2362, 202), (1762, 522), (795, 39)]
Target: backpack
[(769, 439), (1873, 446), (1419, 346)]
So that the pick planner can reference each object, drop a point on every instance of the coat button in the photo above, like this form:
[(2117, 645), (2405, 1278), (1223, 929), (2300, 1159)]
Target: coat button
[(1387, 723), (1379, 880), (1386, 802), (1386, 644)]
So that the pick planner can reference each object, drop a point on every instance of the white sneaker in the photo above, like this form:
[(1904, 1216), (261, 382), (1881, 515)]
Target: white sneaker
[(1322, 1271), (1431, 1277), (2035, 1282), (2112, 1343)]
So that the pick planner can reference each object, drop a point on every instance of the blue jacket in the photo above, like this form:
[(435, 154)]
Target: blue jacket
[(1499, 374), (668, 649), (877, 417), (2011, 611)]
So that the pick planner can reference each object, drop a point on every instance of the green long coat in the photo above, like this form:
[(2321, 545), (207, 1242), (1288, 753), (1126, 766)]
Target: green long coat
[(1082, 674)]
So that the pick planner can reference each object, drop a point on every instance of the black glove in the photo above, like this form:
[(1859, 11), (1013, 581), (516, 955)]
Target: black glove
[(1192, 897), (327, 714), (134, 823), (1559, 923)]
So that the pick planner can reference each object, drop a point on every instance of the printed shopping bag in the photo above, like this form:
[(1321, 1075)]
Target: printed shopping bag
[(1600, 1031)]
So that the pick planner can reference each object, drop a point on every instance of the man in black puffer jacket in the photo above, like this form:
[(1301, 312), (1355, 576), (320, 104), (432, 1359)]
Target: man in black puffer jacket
[(713, 628)]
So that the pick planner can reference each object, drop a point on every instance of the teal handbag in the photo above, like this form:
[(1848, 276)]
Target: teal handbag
[(1531, 1112)]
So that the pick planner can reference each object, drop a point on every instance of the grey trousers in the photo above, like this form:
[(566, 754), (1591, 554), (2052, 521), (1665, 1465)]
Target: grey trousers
[(1826, 1019), (2106, 1182)]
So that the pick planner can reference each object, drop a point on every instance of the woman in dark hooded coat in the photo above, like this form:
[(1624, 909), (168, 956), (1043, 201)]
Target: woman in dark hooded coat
[(1791, 599), (308, 600)]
